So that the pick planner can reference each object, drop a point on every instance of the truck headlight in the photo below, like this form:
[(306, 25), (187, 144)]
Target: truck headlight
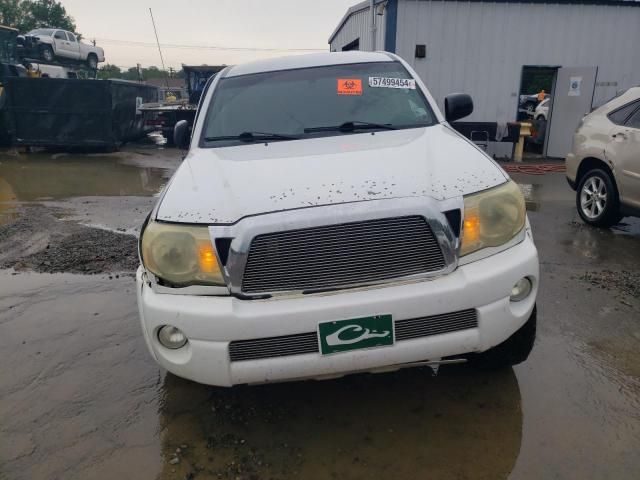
[(492, 217), (180, 255)]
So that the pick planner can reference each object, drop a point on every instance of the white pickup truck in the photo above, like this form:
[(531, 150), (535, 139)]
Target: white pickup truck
[(327, 220), (51, 43)]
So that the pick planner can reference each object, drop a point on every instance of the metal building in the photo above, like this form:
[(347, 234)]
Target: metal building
[(482, 47)]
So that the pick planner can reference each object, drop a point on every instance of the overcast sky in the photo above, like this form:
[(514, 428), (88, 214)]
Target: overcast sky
[(286, 24)]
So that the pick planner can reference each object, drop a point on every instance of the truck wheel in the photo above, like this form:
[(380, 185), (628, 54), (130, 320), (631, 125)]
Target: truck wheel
[(46, 52), (597, 199), (92, 61), (512, 351)]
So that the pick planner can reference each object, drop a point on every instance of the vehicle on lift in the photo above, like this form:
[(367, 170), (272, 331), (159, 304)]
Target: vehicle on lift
[(165, 114), (52, 44), (604, 164)]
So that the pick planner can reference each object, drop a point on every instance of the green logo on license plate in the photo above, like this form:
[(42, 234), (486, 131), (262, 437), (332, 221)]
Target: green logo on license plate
[(343, 335)]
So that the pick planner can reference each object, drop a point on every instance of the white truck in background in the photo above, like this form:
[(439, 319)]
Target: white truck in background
[(51, 44)]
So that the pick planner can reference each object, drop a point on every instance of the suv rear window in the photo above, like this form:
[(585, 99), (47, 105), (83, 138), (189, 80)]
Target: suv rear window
[(302, 102), (620, 115)]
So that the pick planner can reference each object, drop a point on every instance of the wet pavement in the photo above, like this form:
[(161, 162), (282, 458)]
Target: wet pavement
[(80, 397)]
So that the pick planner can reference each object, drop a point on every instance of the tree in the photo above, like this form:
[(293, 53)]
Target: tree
[(26, 15), (11, 14), (131, 73), (49, 13), (109, 71)]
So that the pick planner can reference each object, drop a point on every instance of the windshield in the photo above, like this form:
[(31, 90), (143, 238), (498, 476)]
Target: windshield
[(41, 31), (319, 101)]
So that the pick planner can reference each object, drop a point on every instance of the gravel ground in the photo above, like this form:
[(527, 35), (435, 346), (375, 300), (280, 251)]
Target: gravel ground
[(40, 241), (622, 281)]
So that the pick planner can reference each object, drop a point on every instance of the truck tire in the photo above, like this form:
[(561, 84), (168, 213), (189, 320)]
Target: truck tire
[(92, 61), (46, 53), (512, 351)]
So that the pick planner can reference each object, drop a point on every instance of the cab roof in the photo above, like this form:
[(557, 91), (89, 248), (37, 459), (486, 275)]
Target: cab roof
[(306, 61)]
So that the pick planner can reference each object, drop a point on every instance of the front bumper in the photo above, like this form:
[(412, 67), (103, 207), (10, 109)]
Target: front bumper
[(211, 322)]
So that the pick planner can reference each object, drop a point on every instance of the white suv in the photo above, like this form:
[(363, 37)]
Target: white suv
[(328, 220)]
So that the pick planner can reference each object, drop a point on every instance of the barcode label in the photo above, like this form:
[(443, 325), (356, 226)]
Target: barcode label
[(386, 82)]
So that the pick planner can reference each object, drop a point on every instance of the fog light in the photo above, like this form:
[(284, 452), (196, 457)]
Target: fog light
[(171, 337), (521, 289)]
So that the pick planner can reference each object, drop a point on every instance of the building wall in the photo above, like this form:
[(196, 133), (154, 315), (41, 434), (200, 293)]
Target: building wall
[(480, 47), (357, 26)]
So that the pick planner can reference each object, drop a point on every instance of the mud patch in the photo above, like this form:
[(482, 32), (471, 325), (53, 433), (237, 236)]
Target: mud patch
[(39, 240), (622, 281)]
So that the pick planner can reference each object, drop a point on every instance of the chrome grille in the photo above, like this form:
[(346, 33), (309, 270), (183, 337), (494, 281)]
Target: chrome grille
[(303, 343), (339, 255), (274, 347), (436, 324)]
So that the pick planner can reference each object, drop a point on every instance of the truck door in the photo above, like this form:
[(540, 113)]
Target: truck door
[(62, 47), (74, 46), (572, 98), (623, 149)]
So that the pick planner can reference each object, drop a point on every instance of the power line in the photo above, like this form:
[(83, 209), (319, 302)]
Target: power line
[(112, 41)]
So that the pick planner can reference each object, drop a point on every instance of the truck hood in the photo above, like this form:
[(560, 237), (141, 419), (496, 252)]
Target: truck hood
[(223, 185)]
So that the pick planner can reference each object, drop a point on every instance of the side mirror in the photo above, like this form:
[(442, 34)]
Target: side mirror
[(457, 106), (181, 135)]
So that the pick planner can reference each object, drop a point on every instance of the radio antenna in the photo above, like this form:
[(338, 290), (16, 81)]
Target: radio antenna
[(166, 78)]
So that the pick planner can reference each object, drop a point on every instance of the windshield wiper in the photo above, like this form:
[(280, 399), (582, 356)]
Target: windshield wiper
[(352, 125), (253, 137)]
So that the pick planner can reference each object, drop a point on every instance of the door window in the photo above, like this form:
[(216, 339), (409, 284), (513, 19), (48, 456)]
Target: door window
[(60, 35), (71, 37), (634, 121)]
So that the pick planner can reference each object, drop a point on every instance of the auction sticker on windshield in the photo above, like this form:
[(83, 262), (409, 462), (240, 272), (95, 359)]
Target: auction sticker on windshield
[(366, 332), (387, 82), (349, 86)]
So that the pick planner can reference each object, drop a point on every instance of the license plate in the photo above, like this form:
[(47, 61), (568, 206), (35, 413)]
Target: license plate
[(354, 334)]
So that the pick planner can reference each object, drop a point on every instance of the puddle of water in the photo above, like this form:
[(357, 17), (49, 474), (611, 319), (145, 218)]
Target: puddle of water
[(629, 226), (7, 202), (52, 177), (113, 187), (403, 425)]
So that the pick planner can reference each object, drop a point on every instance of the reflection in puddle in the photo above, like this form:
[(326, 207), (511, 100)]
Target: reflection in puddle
[(7, 202), (602, 244), (157, 138), (408, 424), (531, 194), (624, 228)]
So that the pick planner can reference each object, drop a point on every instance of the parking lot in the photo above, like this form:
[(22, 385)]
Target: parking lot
[(82, 398)]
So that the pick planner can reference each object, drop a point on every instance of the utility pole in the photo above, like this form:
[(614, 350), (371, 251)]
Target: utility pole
[(372, 25)]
